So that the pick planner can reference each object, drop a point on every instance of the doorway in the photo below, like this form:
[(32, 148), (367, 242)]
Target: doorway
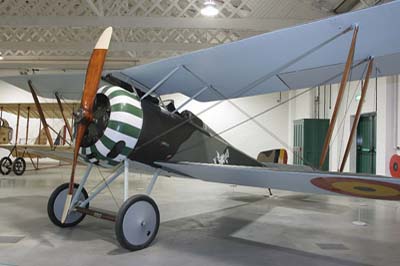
[(366, 144)]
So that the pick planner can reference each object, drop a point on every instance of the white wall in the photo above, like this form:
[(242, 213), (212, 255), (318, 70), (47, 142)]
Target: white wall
[(252, 139), (248, 137)]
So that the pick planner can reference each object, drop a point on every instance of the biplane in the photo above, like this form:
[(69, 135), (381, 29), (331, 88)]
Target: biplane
[(43, 145), (126, 120)]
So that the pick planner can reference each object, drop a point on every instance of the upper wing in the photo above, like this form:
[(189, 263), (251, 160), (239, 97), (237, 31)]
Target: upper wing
[(68, 85), (298, 57), (50, 110), (274, 61), (292, 178)]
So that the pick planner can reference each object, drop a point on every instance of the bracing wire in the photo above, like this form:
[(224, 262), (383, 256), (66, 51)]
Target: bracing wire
[(103, 180), (344, 115), (341, 123)]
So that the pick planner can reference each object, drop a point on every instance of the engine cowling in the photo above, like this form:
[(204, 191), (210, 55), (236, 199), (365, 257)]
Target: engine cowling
[(116, 127)]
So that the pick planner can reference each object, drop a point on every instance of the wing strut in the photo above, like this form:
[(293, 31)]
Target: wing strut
[(16, 130), (161, 82), (342, 88), (358, 113), (63, 115), (41, 114)]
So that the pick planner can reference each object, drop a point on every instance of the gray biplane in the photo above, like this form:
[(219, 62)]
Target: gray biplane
[(125, 120)]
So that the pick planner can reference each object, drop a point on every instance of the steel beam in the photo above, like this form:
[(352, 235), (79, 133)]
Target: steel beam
[(138, 47), (256, 24)]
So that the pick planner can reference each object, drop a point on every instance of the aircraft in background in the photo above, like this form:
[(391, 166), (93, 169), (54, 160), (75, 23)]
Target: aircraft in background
[(43, 145), (126, 120)]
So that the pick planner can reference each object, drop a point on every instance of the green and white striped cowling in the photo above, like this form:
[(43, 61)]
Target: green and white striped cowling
[(125, 124)]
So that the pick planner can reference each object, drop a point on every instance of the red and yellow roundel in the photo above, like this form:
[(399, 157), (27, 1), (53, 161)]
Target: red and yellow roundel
[(359, 187), (395, 166)]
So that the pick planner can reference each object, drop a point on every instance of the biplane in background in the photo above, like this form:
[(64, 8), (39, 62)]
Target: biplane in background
[(43, 145), (126, 120)]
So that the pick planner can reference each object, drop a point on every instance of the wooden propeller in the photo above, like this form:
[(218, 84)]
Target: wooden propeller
[(85, 114)]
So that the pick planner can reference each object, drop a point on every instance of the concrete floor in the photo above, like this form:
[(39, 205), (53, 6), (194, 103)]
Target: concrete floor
[(202, 224)]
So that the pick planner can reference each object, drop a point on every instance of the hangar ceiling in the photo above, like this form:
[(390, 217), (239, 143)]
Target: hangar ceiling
[(48, 34)]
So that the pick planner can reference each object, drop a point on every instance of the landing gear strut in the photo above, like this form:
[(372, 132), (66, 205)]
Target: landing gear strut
[(136, 222)]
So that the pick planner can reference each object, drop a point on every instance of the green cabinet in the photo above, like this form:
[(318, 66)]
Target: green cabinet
[(309, 136)]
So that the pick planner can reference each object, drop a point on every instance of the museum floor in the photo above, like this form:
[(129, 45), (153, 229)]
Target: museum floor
[(202, 224)]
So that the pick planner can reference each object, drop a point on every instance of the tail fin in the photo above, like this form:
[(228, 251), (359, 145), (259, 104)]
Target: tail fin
[(273, 156)]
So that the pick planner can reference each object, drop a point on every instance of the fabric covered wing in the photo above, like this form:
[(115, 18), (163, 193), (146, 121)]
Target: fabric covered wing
[(288, 178), (62, 153), (69, 86), (255, 65)]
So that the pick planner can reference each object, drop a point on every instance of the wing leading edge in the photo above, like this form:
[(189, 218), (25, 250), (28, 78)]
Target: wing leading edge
[(293, 58), (306, 181)]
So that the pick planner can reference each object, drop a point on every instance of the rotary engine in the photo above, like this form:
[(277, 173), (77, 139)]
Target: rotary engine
[(115, 129)]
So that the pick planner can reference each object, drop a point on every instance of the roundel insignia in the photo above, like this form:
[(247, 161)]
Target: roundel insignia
[(359, 187), (395, 166)]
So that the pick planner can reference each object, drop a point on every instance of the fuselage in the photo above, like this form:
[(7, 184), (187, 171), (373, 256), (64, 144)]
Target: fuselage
[(147, 131)]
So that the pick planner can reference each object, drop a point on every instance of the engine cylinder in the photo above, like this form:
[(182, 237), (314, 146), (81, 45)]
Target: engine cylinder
[(116, 128)]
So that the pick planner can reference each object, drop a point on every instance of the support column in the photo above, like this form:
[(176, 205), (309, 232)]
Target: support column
[(342, 88), (358, 114)]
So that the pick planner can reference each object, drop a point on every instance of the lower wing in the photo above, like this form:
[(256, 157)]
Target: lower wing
[(61, 153), (293, 179)]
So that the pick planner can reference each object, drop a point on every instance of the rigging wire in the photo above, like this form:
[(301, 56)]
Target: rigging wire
[(103, 180), (345, 113), (348, 106), (265, 129), (247, 88)]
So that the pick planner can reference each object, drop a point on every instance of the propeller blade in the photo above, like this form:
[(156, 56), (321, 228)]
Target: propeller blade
[(92, 80)]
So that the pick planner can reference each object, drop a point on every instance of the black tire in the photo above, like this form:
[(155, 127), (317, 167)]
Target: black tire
[(5, 165), (145, 228), (19, 166), (53, 211)]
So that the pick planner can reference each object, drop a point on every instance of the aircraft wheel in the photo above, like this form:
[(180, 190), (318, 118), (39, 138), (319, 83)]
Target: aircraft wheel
[(5, 165), (55, 206), (19, 166), (137, 222)]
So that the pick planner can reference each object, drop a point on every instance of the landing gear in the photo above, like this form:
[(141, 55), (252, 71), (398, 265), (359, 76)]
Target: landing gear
[(137, 222), (5, 165), (19, 166), (56, 202)]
